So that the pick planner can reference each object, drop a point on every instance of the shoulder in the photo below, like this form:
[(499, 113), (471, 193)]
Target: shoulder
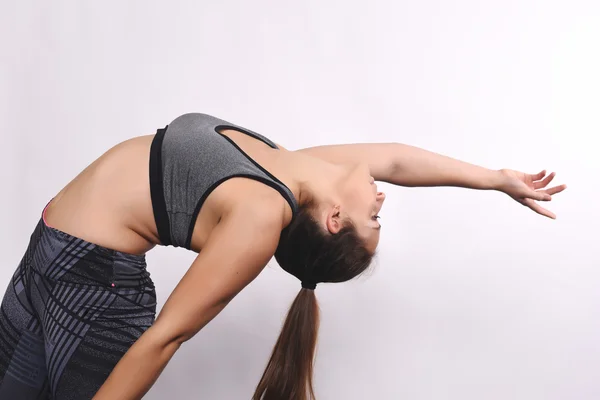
[(255, 226), (244, 202), (246, 238), (264, 209)]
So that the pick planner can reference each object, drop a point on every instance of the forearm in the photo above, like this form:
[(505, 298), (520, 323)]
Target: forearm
[(139, 368), (414, 166)]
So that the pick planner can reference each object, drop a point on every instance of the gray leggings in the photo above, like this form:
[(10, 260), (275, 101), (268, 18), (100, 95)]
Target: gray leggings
[(70, 312)]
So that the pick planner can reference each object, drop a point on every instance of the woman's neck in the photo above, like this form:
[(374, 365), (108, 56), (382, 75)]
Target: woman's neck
[(316, 180)]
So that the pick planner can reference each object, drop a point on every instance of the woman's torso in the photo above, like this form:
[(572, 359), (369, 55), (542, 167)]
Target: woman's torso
[(109, 202)]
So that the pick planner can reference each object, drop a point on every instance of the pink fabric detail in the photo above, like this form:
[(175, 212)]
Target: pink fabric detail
[(44, 214)]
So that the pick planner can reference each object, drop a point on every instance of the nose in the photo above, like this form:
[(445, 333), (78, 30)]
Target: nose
[(380, 196)]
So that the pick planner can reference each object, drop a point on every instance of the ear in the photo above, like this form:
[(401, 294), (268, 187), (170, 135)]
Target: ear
[(334, 220)]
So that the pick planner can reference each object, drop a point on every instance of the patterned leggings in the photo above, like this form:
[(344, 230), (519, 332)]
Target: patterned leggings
[(70, 312)]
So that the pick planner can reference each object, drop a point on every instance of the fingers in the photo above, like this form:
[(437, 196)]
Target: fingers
[(538, 209), (539, 195), (538, 184), (554, 190), (539, 175), (541, 181)]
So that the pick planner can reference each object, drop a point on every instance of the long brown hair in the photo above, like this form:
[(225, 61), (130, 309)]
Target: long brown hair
[(312, 255)]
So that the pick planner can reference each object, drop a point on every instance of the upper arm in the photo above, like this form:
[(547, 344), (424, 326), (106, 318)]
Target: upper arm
[(236, 252), (381, 157)]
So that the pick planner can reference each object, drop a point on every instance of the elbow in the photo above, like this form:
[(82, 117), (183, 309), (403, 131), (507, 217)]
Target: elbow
[(182, 337), (166, 334), (176, 335), (173, 329)]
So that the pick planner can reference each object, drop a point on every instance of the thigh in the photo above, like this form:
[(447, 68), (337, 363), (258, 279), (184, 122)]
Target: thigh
[(88, 330), (22, 355)]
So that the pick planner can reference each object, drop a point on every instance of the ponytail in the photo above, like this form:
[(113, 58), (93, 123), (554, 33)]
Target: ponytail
[(289, 373), (313, 255)]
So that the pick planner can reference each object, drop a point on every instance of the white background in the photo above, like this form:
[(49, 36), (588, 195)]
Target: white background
[(473, 296)]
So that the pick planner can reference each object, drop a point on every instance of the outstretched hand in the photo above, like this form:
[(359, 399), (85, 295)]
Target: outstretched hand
[(529, 188)]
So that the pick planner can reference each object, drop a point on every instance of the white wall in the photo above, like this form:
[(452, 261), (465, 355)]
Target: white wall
[(473, 297)]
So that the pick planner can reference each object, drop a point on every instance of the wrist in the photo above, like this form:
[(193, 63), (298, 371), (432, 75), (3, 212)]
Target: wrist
[(496, 180)]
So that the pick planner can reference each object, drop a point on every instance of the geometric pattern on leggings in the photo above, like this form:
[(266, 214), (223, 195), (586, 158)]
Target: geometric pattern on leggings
[(26, 374), (69, 311), (63, 326)]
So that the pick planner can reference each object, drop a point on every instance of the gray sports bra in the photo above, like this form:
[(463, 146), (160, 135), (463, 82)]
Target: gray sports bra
[(189, 158)]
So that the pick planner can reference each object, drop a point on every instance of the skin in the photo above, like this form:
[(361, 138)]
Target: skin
[(109, 204)]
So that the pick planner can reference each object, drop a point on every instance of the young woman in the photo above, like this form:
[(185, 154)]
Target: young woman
[(77, 319)]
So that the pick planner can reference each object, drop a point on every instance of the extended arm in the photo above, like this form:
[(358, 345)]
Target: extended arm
[(405, 165), (236, 252)]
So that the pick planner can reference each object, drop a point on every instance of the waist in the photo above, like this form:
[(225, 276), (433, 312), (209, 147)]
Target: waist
[(60, 256)]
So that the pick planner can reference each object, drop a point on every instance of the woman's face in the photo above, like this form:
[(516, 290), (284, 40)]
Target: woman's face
[(361, 203)]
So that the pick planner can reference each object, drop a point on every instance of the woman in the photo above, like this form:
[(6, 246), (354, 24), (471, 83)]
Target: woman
[(77, 318)]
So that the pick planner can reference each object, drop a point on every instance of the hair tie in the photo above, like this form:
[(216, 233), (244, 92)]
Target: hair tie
[(309, 285)]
